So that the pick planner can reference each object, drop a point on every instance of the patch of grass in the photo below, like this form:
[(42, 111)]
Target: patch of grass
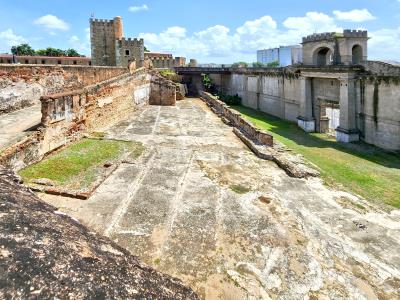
[(78, 165), (157, 261), (357, 167), (239, 189)]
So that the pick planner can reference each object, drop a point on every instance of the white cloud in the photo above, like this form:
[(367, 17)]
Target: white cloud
[(52, 22), (9, 39), (223, 45), (311, 22), (82, 46), (384, 44), (355, 15), (138, 8)]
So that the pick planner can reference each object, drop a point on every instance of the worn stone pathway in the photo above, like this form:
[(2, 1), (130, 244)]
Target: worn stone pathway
[(200, 206), (14, 126)]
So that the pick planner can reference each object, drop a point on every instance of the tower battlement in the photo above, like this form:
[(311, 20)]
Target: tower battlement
[(355, 33), (347, 33)]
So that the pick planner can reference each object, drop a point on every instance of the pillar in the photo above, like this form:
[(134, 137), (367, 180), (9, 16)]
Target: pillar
[(306, 119), (347, 131)]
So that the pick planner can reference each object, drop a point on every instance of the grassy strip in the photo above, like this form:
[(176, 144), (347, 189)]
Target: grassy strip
[(357, 167), (78, 165)]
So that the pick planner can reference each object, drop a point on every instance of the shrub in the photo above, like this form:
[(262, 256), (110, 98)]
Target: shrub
[(229, 99)]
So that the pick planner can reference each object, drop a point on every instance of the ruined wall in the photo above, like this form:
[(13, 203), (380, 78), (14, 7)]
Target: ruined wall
[(23, 85), (378, 112), (162, 91), (66, 116), (236, 120)]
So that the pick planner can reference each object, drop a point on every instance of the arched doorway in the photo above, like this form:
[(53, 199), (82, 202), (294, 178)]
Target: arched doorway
[(322, 56), (357, 53)]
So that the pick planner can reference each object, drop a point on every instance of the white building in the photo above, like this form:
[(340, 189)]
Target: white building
[(285, 55)]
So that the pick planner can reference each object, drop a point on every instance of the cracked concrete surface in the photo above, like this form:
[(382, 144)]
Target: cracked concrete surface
[(284, 238)]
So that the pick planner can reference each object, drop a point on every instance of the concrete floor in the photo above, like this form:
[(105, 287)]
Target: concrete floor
[(284, 238), (14, 126)]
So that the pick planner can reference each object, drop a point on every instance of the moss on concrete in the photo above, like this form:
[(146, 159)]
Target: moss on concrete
[(78, 165)]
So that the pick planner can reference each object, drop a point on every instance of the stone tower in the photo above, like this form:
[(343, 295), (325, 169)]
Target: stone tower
[(347, 48), (110, 48)]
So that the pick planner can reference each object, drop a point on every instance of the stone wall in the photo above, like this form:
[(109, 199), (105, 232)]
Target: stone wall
[(273, 93), (162, 92), (281, 94), (235, 118), (378, 112), (67, 116), (23, 85)]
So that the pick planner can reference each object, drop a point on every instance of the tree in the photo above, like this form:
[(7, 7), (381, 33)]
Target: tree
[(258, 65), (240, 64), (273, 64), (23, 49), (72, 53), (145, 49)]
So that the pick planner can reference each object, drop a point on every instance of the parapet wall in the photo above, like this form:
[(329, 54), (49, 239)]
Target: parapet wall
[(67, 116), (23, 85), (235, 118)]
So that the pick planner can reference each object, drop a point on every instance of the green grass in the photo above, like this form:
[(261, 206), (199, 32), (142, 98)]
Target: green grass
[(78, 165), (356, 167)]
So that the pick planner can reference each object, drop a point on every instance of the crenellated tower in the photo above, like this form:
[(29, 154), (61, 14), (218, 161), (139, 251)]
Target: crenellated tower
[(110, 48)]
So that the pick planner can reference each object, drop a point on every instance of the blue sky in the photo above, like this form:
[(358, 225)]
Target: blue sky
[(219, 31)]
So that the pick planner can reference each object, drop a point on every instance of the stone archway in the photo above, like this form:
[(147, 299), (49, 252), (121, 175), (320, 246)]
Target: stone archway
[(322, 56)]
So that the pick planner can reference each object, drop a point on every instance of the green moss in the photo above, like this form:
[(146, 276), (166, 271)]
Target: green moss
[(79, 164), (376, 103), (357, 167), (239, 189)]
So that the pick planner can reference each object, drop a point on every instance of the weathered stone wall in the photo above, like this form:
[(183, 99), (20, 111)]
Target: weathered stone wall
[(162, 92), (378, 107), (67, 116), (272, 93), (23, 85), (237, 120)]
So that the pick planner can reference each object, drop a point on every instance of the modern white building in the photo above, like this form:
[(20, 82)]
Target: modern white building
[(285, 55)]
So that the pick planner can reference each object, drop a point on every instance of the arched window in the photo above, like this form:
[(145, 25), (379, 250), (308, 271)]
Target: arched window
[(357, 53), (322, 56)]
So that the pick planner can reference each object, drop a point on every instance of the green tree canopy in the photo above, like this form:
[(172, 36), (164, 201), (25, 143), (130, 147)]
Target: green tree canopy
[(23, 49), (145, 49)]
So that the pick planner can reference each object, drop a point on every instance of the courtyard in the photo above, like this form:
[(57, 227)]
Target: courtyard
[(197, 204), (357, 167)]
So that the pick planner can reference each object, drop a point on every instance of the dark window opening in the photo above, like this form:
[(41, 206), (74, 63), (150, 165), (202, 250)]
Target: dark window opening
[(127, 52), (9, 61), (59, 62), (90, 63), (26, 61), (357, 53), (43, 62), (75, 62)]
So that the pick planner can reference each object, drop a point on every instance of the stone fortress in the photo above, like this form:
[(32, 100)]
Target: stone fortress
[(110, 48), (198, 204), (335, 89)]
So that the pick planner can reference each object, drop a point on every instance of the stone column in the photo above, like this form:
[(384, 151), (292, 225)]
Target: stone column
[(347, 131), (306, 119)]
